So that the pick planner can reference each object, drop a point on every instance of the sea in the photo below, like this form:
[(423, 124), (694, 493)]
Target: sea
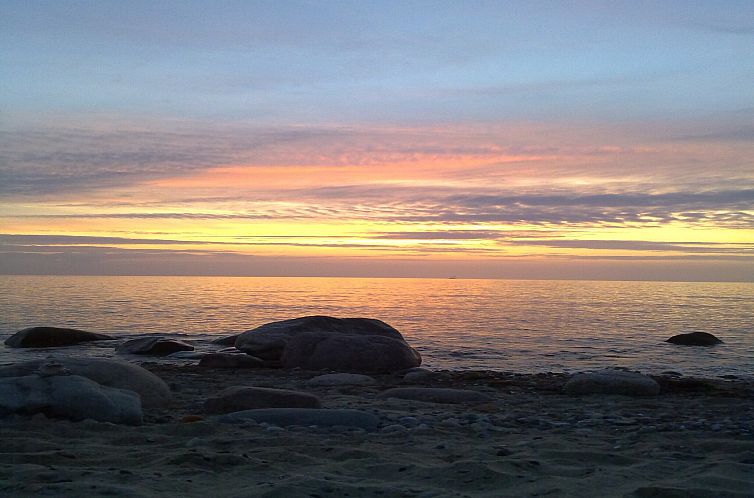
[(527, 326)]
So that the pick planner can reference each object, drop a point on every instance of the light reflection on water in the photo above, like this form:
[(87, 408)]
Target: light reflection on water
[(497, 324)]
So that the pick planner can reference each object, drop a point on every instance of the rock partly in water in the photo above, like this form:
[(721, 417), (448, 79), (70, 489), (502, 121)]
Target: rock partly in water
[(111, 373), (366, 354), (51, 337), (226, 341), (153, 346), (341, 379), (418, 374), (307, 417), (612, 382), (239, 398), (437, 395), (695, 339), (188, 355), (269, 340), (230, 360), (68, 396)]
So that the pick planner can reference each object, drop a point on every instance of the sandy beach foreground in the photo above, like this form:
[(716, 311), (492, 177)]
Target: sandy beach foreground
[(695, 439)]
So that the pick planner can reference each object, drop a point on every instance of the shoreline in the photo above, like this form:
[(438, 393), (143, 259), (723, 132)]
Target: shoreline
[(696, 438)]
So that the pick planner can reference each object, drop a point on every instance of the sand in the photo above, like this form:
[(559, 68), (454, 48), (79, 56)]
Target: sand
[(696, 439)]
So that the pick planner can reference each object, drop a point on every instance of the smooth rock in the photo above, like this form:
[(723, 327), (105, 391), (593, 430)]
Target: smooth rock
[(226, 341), (51, 337), (230, 360), (612, 382), (153, 346), (269, 340), (349, 353), (307, 417), (69, 396), (436, 395), (341, 379), (418, 374), (111, 373), (188, 355), (239, 398), (695, 339)]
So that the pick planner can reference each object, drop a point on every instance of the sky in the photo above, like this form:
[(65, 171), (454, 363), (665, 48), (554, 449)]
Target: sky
[(506, 139)]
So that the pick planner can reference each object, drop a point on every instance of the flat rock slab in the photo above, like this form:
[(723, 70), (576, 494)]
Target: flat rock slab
[(695, 339), (239, 398), (341, 379), (437, 395), (153, 346), (612, 382), (110, 373), (307, 417), (69, 396), (51, 337), (230, 360)]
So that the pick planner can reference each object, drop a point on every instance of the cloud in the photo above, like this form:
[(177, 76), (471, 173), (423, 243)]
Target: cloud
[(740, 249)]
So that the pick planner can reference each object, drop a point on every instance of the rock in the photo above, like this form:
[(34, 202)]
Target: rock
[(341, 379), (269, 340), (226, 341), (51, 337), (418, 374), (230, 360), (238, 398), (307, 417), (348, 353), (188, 355), (110, 373), (153, 346), (436, 395), (695, 339), (612, 382), (69, 396)]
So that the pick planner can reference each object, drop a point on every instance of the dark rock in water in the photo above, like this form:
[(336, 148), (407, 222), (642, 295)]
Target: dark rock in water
[(307, 417), (226, 341), (695, 339), (269, 340), (349, 353), (188, 355), (238, 398), (230, 360), (612, 382), (436, 395), (110, 373), (153, 346), (51, 337), (69, 396)]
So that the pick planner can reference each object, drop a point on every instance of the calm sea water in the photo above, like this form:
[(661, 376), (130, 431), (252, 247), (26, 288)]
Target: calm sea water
[(513, 325)]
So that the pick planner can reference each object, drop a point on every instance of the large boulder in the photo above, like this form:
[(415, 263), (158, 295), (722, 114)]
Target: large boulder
[(612, 382), (239, 398), (51, 337), (110, 373), (68, 396), (268, 341), (153, 346), (349, 353), (695, 339), (307, 417), (437, 395)]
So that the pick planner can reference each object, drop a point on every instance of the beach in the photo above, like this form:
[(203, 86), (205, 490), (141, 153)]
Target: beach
[(694, 439)]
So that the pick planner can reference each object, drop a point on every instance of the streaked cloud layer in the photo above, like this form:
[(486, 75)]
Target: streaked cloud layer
[(484, 139)]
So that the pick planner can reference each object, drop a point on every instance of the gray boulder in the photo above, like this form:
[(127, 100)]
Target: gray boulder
[(307, 417), (51, 337), (695, 339), (230, 360), (437, 395), (364, 354), (341, 379), (153, 346), (238, 398), (269, 340), (110, 373), (68, 396), (612, 382)]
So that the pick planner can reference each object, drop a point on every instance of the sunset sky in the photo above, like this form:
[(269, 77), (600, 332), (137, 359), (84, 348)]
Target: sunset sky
[(531, 139)]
